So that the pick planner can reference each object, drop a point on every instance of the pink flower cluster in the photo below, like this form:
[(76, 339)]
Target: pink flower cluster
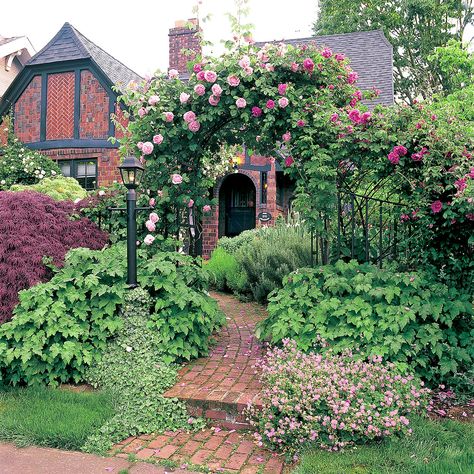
[(333, 400), (396, 153), (359, 118), (418, 156)]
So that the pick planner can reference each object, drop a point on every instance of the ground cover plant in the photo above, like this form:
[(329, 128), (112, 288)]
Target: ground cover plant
[(60, 188), (35, 227), (57, 418)]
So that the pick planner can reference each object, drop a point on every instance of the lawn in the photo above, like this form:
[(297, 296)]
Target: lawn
[(56, 418), (445, 447)]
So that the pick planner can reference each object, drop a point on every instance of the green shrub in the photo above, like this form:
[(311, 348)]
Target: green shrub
[(62, 326), (232, 244), (404, 317), (222, 266), (59, 188)]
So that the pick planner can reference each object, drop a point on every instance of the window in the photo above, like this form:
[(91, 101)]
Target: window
[(85, 171), (264, 183)]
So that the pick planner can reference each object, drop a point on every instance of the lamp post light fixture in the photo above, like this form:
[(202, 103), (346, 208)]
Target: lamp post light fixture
[(131, 171)]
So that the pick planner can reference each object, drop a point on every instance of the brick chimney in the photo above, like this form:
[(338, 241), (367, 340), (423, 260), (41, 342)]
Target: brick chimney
[(183, 37)]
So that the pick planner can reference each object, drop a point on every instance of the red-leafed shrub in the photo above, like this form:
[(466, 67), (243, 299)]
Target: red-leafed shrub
[(34, 226)]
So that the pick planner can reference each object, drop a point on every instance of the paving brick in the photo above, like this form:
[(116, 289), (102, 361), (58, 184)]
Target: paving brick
[(190, 448), (236, 461), (201, 456), (145, 453), (166, 451), (213, 443), (159, 442), (224, 451)]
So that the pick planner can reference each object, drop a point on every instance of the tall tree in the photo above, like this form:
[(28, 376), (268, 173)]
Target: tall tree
[(414, 28)]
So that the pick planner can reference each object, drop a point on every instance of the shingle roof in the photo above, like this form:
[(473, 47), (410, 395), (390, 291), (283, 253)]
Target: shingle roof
[(69, 44), (370, 54), (4, 40)]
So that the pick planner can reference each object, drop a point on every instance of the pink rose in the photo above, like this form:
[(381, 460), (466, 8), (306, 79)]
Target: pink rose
[(270, 67), (189, 116), (471, 173), (339, 57), (300, 123), (183, 97), (327, 53), (190, 203), (248, 71), (199, 89), (197, 67), (169, 116), (262, 56), (173, 74), (150, 226), (200, 75), (289, 161), (400, 150), (286, 136), (147, 148), (142, 112), (158, 139), (152, 202), (417, 156), (256, 111), (461, 184), (210, 76), (153, 100), (294, 67), (283, 102), (436, 206), (216, 90), (352, 77), (334, 117), (354, 116), (160, 193), (270, 104), (394, 158), (176, 178), (194, 126), (153, 217), (282, 88), (233, 81), (365, 117), (244, 62), (206, 208), (240, 103), (214, 100), (308, 64), (434, 117), (148, 239), (331, 87), (140, 145)]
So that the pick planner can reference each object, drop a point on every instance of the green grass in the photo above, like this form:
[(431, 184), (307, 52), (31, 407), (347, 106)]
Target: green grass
[(434, 448), (51, 417)]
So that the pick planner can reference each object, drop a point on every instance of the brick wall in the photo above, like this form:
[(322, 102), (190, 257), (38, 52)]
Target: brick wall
[(182, 37), (94, 117), (60, 106), (28, 112)]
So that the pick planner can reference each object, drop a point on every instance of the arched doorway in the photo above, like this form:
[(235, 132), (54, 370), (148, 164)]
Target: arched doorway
[(236, 205)]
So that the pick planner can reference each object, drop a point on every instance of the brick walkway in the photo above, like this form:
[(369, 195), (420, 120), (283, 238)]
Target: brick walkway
[(220, 386)]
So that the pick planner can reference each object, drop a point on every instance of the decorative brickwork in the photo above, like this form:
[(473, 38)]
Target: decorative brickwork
[(94, 117), (3, 133), (28, 112), (60, 106), (183, 38)]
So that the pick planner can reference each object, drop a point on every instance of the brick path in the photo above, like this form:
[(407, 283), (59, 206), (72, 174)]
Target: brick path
[(220, 386)]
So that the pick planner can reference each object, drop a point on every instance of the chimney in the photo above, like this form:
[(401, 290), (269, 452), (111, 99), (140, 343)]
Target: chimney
[(183, 36)]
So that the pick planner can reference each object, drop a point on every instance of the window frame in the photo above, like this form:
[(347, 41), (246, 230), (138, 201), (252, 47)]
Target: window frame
[(74, 163)]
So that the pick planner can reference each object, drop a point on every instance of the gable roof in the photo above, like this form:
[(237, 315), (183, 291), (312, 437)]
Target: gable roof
[(370, 54), (16, 44), (69, 44)]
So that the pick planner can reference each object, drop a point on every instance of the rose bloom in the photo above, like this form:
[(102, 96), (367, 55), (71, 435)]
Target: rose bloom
[(334, 117), (436, 206), (233, 81), (173, 74), (216, 90), (189, 116), (206, 208), (210, 76), (200, 75), (286, 136), (147, 148), (169, 116), (199, 89), (152, 202), (283, 102), (154, 99), (256, 111), (294, 67), (308, 64), (300, 123), (153, 217), (352, 77), (394, 158), (150, 226), (183, 97), (269, 67), (176, 178), (194, 126), (148, 239), (142, 112), (339, 56), (365, 117), (270, 104), (240, 103), (197, 67), (289, 161), (140, 145), (400, 150), (190, 203), (158, 139), (262, 56), (214, 100), (244, 62), (327, 53), (282, 88)]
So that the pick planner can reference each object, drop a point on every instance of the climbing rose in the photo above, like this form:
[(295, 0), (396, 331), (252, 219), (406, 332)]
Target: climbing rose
[(169, 116), (173, 74), (147, 148), (148, 239), (256, 111), (270, 104), (152, 202), (289, 161), (294, 67), (400, 150), (150, 226), (153, 100), (189, 116), (300, 123), (214, 100), (248, 71), (434, 117), (416, 156), (262, 56), (461, 184), (176, 178), (233, 81), (142, 112), (206, 208), (334, 117), (394, 158), (194, 126), (354, 116), (200, 75), (153, 217), (339, 57), (183, 97), (157, 139), (365, 117), (436, 206), (352, 77), (197, 67), (190, 203), (240, 103), (244, 62), (308, 64), (283, 102), (216, 90), (327, 53), (140, 145), (286, 136), (471, 173), (282, 88), (210, 76), (199, 89)]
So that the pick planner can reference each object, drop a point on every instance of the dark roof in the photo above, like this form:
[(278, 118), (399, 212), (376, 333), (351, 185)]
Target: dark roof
[(370, 54), (69, 44)]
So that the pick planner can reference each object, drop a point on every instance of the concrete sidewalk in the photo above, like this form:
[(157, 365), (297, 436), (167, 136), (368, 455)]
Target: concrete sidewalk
[(33, 460)]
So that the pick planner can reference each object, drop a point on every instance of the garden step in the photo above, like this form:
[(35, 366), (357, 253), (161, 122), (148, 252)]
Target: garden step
[(219, 387)]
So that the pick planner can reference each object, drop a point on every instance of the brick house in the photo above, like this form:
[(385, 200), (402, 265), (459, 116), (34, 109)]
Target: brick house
[(62, 101)]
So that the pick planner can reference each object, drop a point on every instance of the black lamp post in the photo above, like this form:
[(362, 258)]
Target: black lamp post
[(131, 171)]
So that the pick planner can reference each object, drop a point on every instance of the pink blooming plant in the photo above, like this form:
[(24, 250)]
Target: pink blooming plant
[(283, 102), (149, 239), (183, 97), (190, 203), (153, 100), (216, 90), (189, 116), (352, 77), (244, 62), (142, 112), (210, 76), (286, 137), (436, 207), (173, 74), (308, 64), (339, 57), (300, 123), (270, 104), (194, 126), (169, 116), (326, 53), (214, 100), (152, 202), (233, 81), (256, 111), (150, 226), (282, 88), (153, 217), (147, 148), (158, 139), (176, 178), (289, 161), (199, 89), (200, 76), (240, 103), (206, 208), (197, 67)]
